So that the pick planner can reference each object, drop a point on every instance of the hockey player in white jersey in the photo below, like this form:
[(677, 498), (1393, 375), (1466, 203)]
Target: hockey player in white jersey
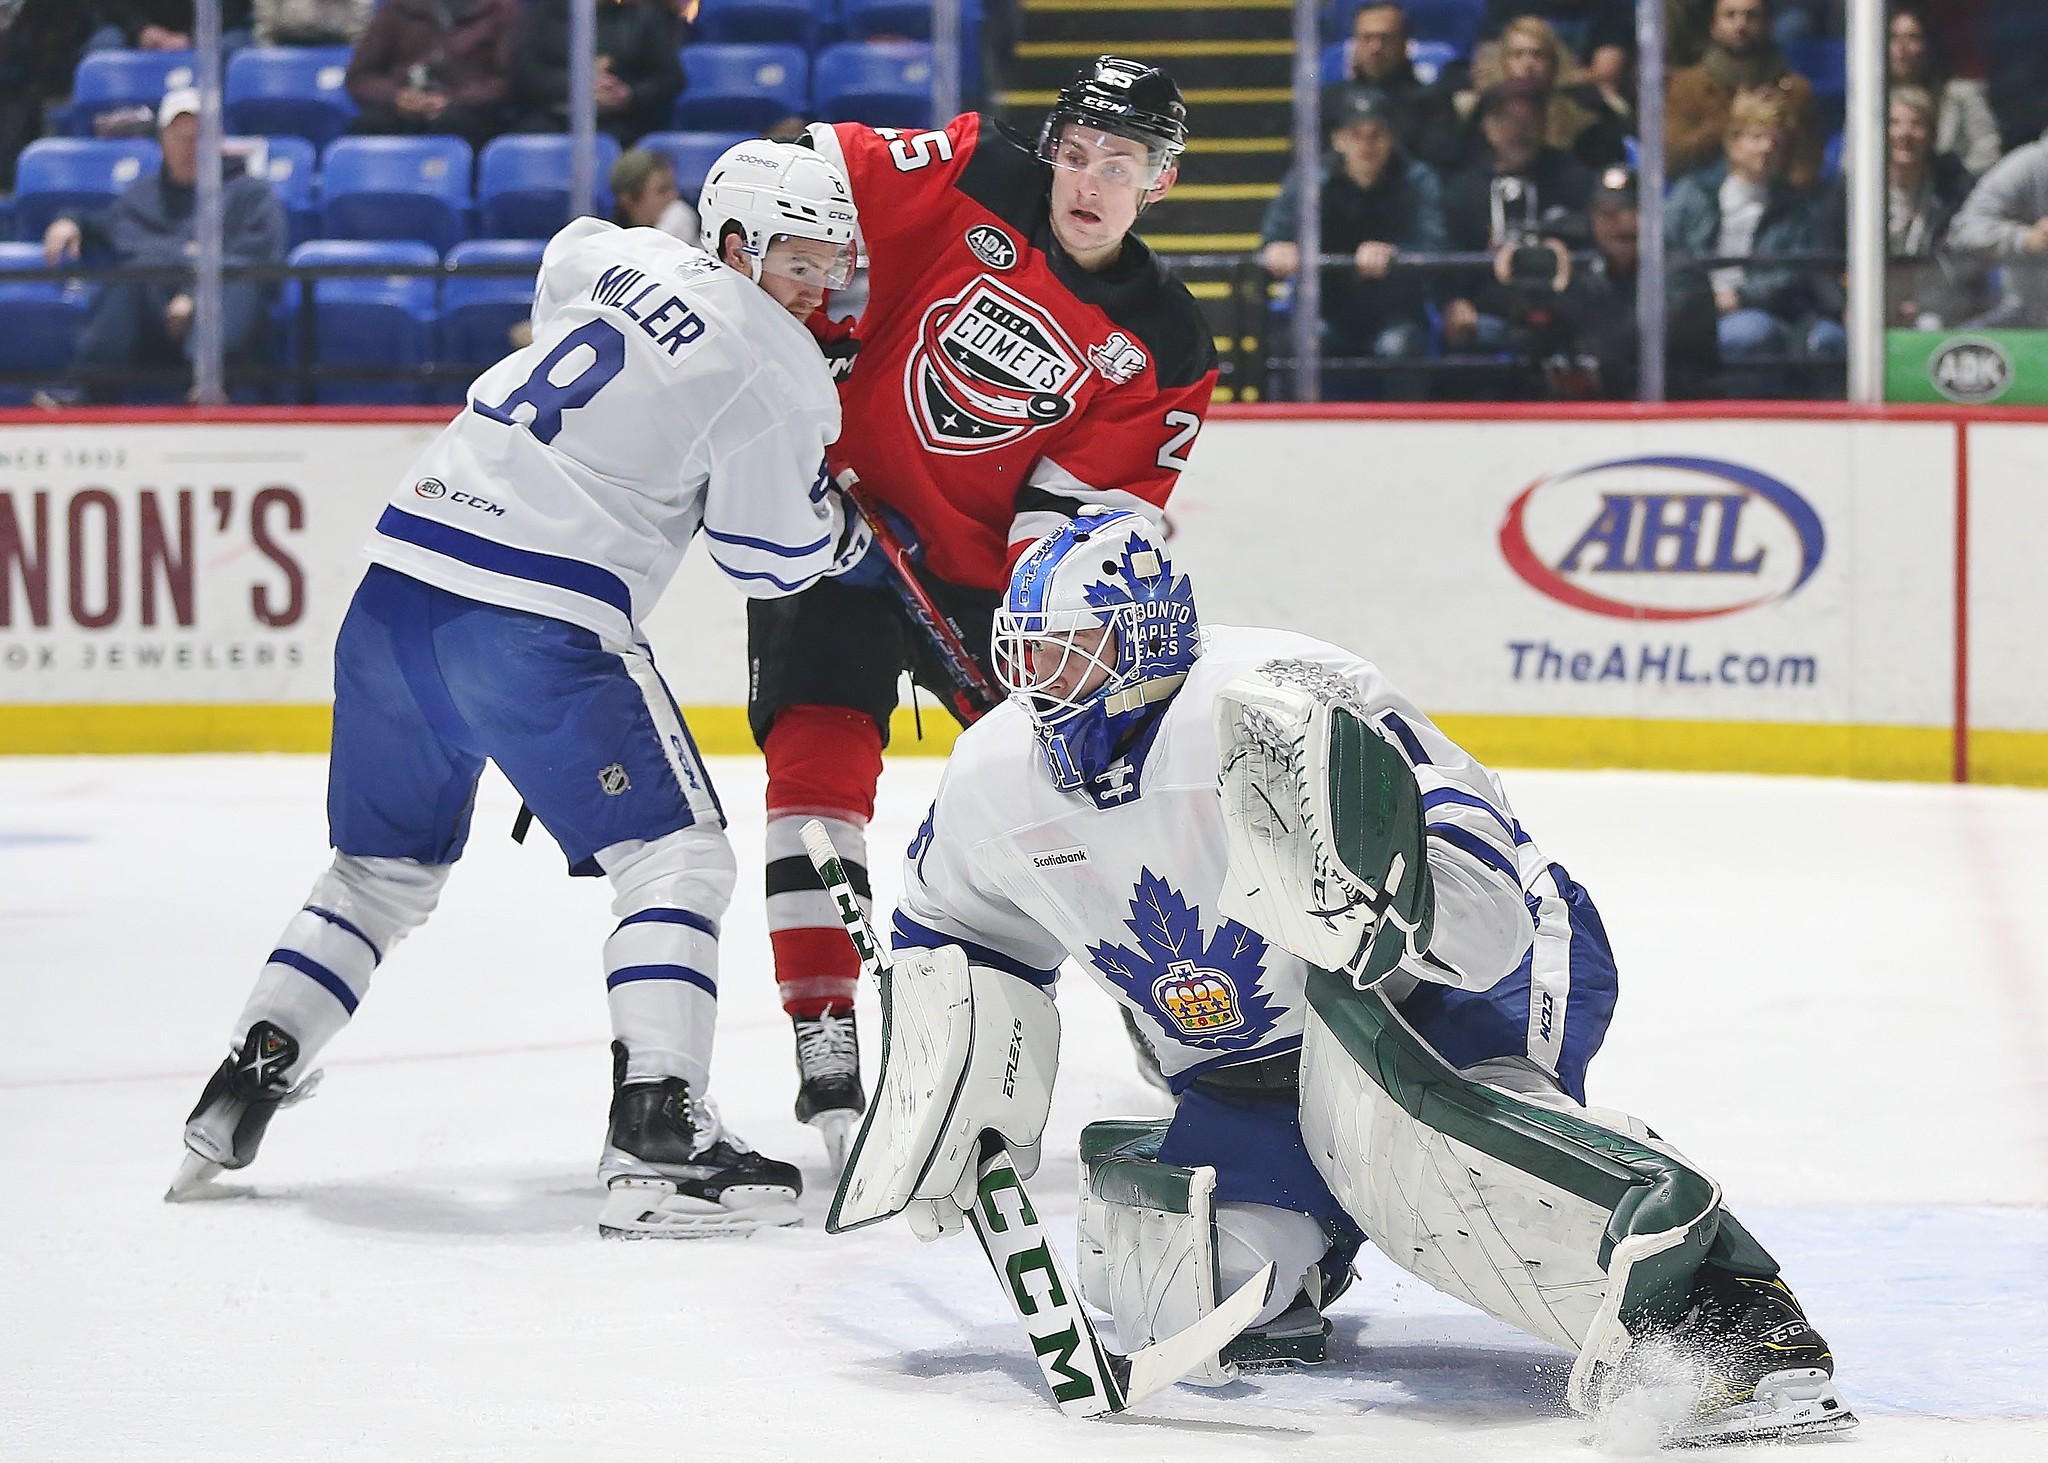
[(1373, 997), (670, 392)]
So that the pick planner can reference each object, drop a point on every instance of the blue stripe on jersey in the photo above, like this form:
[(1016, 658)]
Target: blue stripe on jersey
[(341, 924), (626, 974), (1480, 849), (907, 934), (767, 547), (1182, 1080), (672, 917), (787, 586), (320, 974), (1405, 735), (571, 574), (1436, 797)]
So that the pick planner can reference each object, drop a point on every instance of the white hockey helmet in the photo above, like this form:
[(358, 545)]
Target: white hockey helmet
[(774, 190)]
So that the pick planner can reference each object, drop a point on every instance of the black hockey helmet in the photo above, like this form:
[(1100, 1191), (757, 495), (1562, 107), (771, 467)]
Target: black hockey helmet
[(1125, 98)]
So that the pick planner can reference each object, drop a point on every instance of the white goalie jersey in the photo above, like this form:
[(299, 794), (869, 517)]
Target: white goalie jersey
[(1026, 876), (663, 394)]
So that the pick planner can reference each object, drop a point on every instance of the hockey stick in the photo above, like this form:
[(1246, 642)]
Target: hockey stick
[(1087, 1378), (973, 696)]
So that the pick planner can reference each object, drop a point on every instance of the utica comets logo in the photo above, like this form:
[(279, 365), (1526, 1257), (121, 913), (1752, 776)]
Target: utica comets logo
[(989, 367), (1663, 538)]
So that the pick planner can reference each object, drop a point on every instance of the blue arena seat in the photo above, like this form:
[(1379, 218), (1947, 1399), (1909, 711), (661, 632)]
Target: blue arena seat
[(741, 87), (373, 321), (479, 311), (1429, 58), (290, 89), (291, 166), (396, 188), (522, 183), (57, 176), (39, 322), (109, 80), (1823, 61), (1454, 22), (881, 83), (896, 19), (806, 23), (691, 154)]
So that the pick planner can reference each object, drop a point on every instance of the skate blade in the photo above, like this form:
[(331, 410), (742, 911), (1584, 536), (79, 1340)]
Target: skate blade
[(195, 1182), (652, 1209), (836, 1128), (1787, 1405)]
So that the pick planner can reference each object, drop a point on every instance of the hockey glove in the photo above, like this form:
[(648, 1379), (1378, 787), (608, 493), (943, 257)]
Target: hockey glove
[(874, 569)]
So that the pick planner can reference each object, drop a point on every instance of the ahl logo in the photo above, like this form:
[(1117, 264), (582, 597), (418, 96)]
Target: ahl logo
[(1663, 538), (992, 246), (430, 488), (989, 366), (1117, 359), (1971, 370)]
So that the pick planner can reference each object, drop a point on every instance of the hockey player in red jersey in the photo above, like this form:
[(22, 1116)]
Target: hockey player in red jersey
[(1022, 354)]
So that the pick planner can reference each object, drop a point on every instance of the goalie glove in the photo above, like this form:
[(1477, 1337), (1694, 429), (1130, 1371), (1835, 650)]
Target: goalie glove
[(1323, 820)]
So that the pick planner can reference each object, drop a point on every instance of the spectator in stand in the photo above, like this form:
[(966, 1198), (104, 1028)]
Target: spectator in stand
[(638, 74), (1424, 124), (39, 51), (1376, 202), (435, 66), (2004, 221), (1741, 60), (2013, 36), (1582, 119), (1601, 33), (1525, 196), (1594, 319), (164, 25), (1964, 126), (1687, 29), (1742, 208), (151, 224), (645, 196), (1924, 189), (311, 22)]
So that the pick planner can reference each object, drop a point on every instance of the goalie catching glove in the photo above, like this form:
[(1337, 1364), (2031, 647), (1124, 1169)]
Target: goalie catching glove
[(967, 1050), (1323, 820)]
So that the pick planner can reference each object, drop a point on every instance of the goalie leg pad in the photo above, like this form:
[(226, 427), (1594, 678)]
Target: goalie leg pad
[(966, 1050), (1566, 1227), (1323, 821)]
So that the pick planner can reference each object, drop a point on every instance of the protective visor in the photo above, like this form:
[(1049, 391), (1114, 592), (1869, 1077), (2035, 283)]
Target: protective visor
[(809, 261), (1111, 160)]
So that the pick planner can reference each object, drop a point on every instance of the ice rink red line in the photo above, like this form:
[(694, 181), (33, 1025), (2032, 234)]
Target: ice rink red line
[(1962, 651), (198, 1076)]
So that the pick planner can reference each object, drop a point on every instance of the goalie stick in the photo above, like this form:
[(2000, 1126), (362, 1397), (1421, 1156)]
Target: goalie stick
[(1087, 1378)]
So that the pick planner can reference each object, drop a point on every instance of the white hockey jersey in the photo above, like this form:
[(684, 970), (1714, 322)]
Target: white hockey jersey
[(1026, 877), (663, 393)]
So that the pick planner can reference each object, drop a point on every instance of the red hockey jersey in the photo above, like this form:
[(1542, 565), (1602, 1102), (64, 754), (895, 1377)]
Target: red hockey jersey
[(998, 384)]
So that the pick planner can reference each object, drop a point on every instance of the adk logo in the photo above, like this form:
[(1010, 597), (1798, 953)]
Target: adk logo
[(1971, 370), (989, 366), (1663, 538), (992, 246)]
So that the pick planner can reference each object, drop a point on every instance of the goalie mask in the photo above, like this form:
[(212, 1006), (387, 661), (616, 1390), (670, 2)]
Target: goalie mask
[(1095, 634)]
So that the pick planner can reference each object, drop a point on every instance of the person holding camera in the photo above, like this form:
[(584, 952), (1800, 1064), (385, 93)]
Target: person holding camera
[(1519, 206), (434, 66), (1377, 201)]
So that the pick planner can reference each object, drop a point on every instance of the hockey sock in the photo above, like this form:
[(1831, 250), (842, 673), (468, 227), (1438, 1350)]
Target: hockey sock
[(661, 962), (357, 912), (823, 762)]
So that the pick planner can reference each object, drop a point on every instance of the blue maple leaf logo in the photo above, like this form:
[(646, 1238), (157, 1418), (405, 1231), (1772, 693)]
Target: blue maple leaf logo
[(1203, 993)]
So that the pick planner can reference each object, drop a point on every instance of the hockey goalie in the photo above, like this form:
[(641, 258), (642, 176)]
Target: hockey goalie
[(1372, 996)]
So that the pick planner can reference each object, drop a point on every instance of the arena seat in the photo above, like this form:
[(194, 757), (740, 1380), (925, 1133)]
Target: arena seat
[(881, 83), (39, 322), (291, 166), (109, 80), (396, 188), (294, 89), (479, 311), (806, 23), (58, 176), (522, 183), (376, 321), (741, 87), (691, 154)]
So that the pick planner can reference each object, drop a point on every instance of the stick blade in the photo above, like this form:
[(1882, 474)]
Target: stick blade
[(1158, 1366)]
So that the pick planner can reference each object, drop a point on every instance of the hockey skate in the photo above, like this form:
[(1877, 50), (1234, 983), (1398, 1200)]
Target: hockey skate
[(226, 1127), (672, 1170), (1298, 1336), (1745, 1362), (829, 1096)]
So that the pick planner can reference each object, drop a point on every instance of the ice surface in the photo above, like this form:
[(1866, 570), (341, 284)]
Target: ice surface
[(1835, 997)]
